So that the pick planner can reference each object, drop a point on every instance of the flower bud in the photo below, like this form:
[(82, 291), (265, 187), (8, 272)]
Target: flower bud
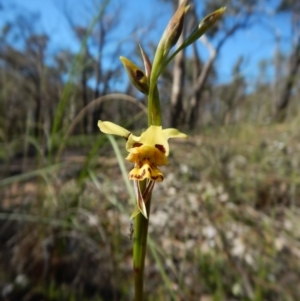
[(207, 22), (147, 63), (174, 29), (136, 75)]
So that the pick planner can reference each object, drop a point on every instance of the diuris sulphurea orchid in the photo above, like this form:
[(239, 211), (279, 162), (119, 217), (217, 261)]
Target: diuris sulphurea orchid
[(147, 152)]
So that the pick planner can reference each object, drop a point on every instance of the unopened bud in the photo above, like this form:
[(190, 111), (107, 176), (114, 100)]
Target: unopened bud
[(174, 28), (136, 75), (207, 22), (147, 63)]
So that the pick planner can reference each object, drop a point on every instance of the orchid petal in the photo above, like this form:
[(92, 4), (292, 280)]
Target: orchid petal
[(146, 153), (173, 133), (153, 137), (146, 171), (108, 127)]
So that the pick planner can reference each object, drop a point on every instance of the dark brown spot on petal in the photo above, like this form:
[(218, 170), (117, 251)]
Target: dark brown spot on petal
[(137, 144), (139, 74), (157, 177), (127, 136), (161, 148), (138, 176)]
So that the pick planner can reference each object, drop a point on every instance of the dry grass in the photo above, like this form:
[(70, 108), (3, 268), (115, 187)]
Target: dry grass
[(224, 223)]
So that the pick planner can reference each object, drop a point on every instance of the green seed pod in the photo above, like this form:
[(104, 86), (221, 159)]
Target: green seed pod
[(136, 75)]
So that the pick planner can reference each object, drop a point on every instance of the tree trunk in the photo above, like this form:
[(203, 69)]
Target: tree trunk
[(285, 96), (177, 109), (84, 97), (213, 52), (96, 112)]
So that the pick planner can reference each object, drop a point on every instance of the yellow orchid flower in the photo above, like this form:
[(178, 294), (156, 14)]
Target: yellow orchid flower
[(147, 152)]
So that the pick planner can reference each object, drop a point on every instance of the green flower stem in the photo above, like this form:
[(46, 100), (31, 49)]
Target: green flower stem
[(139, 249), (160, 62), (154, 113), (141, 223)]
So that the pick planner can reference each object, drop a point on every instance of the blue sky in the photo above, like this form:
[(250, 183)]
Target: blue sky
[(255, 44)]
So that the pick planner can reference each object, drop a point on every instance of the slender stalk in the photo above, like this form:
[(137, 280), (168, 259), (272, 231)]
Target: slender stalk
[(139, 250), (141, 223), (154, 113), (160, 61)]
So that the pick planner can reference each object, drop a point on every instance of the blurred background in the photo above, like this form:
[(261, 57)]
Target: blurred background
[(224, 222)]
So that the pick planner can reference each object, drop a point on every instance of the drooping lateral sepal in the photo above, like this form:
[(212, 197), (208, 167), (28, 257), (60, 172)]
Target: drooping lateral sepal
[(142, 199), (111, 128)]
